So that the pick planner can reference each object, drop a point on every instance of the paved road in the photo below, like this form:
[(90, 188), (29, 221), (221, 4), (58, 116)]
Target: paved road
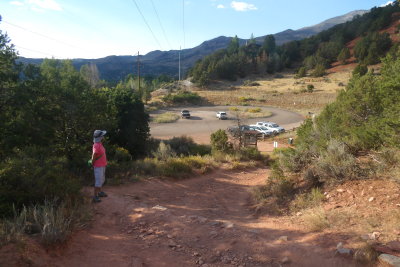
[(204, 122)]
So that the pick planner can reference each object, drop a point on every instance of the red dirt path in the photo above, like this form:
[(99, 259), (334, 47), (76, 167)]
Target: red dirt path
[(202, 221)]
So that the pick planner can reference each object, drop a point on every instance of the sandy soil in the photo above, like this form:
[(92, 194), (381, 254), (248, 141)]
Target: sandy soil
[(203, 221)]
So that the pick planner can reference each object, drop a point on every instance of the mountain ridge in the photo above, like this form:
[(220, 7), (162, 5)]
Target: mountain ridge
[(114, 68)]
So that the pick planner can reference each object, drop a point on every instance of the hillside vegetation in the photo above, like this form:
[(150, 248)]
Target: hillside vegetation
[(313, 54)]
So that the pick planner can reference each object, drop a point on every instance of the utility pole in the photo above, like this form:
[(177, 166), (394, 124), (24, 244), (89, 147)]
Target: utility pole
[(179, 63), (138, 69)]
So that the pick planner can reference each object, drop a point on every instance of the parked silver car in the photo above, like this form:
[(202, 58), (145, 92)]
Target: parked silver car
[(272, 126)]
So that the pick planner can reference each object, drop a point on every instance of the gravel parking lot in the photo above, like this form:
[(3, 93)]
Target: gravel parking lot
[(204, 122)]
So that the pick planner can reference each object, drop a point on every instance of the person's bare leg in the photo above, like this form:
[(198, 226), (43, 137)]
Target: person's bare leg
[(96, 191)]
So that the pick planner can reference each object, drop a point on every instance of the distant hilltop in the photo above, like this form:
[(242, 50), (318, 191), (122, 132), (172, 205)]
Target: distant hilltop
[(114, 68)]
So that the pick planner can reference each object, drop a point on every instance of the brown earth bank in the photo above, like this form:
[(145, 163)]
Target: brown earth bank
[(202, 221)]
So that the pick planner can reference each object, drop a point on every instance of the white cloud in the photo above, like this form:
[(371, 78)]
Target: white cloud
[(220, 6), (242, 6), (16, 3), (45, 4), (387, 3)]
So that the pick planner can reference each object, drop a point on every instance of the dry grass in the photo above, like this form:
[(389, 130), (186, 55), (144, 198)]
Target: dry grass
[(366, 254), (250, 113), (166, 117), (315, 219), (282, 93)]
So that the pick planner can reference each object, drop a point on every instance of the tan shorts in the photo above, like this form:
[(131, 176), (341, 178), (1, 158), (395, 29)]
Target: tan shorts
[(99, 176)]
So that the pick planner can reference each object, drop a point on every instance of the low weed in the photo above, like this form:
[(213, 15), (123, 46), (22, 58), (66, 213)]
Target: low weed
[(52, 221), (315, 219), (253, 110), (13, 230), (277, 186), (175, 167), (340, 217), (240, 165), (250, 83), (164, 152), (388, 157), (366, 255), (166, 117), (249, 153), (307, 200)]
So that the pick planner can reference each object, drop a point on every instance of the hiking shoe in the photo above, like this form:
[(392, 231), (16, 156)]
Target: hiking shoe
[(96, 199), (101, 194)]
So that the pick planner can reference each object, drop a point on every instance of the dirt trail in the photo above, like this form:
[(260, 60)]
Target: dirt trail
[(202, 221)]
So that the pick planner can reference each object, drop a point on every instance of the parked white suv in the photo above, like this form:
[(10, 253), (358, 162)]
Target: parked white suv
[(222, 115), (272, 126)]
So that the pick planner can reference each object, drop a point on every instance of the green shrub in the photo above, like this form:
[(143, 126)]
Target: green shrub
[(253, 110), (176, 168), (277, 187), (219, 141), (249, 153), (32, 176), (164, 152), (336, 164), (319, 71), (185, 146), (122, 155), (245, 99), (389, 156), (303, 90), (302, 72), (290, 159), (250, 83), (183, 97), (360, 69), (310, 88), (147, 166), (307, 200)]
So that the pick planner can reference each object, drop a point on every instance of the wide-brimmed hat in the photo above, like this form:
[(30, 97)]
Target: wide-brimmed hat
[(98, 135)]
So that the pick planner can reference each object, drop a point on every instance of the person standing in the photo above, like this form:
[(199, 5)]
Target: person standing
[(99, 162)]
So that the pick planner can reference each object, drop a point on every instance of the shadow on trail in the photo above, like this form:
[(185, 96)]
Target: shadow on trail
[(207, 218), (195, 118)]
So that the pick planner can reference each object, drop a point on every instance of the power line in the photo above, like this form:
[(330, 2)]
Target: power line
[(183, 23), (43, 53), (148, 26), (162, 28), (42, 35)]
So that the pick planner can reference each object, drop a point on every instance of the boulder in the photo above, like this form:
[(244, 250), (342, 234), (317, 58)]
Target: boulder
[(389, 260)]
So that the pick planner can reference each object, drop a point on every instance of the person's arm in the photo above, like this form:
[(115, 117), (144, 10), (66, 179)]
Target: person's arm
[(96, 156)]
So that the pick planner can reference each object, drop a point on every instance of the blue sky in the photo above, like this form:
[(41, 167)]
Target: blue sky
[(98, 28)]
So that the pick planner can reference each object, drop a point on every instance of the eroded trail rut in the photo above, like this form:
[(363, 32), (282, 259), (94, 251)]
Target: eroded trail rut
[(202, 221)]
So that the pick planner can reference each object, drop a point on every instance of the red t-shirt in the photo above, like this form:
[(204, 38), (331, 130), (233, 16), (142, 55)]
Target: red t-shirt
[(99, 149)]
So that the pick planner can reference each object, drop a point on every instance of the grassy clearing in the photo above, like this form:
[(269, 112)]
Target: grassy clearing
[(283, 92), (166, 117), (250, 113)]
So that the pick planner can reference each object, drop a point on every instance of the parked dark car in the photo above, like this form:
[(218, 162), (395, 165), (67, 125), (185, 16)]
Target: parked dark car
[(185, 114)]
